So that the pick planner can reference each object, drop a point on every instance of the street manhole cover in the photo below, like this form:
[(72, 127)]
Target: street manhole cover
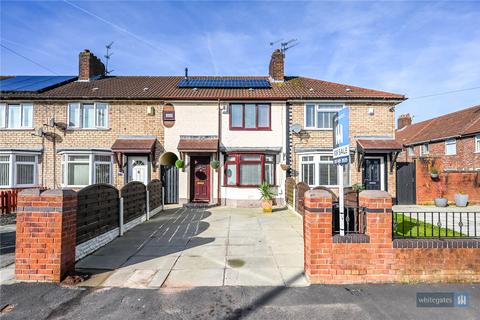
[(236, 263)]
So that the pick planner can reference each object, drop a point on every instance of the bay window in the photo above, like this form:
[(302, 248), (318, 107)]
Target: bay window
[(83, 169), (250, 116), (88, 115), (319, 170), (18, 170), (16, 116), (320, 116), (245, 169)]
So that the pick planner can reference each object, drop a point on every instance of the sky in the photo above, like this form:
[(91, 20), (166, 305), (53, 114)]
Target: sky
[(418, 49)]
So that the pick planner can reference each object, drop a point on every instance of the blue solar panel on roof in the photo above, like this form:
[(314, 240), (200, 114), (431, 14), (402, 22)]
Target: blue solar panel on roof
[(224, 83), (33, 83)]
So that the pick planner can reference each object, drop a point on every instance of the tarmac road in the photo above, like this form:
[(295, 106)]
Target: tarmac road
[(359, 302)]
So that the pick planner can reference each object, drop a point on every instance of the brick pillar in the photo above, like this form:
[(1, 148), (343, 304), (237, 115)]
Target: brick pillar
[(46, 234), (317, 229)]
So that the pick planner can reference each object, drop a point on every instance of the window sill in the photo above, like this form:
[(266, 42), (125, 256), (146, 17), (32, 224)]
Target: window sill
[(316, 129), (242, 129), (88, 129), (22, 186), (252, 186), (17, 129)]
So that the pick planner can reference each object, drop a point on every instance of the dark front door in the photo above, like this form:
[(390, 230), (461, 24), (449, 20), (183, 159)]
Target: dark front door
[(406, 191), (170, 184), (372, 178), (200, 179)]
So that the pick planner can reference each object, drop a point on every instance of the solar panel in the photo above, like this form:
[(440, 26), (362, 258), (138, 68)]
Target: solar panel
[(224, 83), (33, 83)]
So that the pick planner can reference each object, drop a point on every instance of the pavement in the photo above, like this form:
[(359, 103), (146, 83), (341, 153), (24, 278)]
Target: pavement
[(193, 247), (360, 302), (7, 253)]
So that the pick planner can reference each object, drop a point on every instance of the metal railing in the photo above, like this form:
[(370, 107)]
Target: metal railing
[(441, 224), (355, 219)]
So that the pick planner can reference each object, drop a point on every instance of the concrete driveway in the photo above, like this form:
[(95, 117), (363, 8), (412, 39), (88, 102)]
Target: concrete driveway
[(185, 247)]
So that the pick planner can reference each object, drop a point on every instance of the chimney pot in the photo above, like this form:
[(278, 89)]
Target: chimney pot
[(89, 66), (403, 121), (276, 69)]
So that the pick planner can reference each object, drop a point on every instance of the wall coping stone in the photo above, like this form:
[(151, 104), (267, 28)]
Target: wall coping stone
[(318, 194), (59, 193), (375, 194)]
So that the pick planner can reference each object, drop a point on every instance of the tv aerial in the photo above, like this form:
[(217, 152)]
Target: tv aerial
[(107, 58), (285, 45)]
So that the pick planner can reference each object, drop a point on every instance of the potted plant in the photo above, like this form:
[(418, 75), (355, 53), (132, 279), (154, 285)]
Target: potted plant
[(434, 173), (179, 164), (214, 164), (358, 187), (440, 201), (266, 196), (461, 199)]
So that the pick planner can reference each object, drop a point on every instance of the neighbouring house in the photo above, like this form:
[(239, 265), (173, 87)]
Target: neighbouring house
[(230, 133), (449, 144)]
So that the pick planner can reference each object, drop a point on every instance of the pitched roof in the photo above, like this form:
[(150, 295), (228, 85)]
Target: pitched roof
[(455, 124), (166, 87)]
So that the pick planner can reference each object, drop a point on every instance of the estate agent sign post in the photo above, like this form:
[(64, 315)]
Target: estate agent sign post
[(341, 156)]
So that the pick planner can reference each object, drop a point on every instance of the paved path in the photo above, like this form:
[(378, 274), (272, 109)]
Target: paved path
[(7, 253), (346, 302), (203, 247)]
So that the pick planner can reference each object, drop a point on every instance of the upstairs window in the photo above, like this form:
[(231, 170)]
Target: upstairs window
[(250, 116), (320, 116), (411, 151), (88, 115), (477, 143), (18, 170), (425, 149), (249, 170), (16, 116), (450, 147)]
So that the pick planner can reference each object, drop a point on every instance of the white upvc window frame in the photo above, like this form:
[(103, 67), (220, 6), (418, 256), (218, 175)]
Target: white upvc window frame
[(317, 162), (451, 142), (91, 166), (425, 149), (477, 143), (80, 120), (4, 116), (12, 169), (318, 108), (411, 151)]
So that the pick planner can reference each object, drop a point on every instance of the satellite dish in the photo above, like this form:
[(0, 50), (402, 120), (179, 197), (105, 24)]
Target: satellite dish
[(52, 122), (40, 132), (296, 128)]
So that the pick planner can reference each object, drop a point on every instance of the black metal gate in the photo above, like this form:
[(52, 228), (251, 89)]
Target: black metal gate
[(406, 186), (170, 184)]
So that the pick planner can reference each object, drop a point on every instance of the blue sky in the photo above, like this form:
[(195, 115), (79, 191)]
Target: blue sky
[(413, 48)]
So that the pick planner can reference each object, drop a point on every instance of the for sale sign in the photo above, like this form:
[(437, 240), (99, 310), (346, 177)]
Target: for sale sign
[(341, 148)]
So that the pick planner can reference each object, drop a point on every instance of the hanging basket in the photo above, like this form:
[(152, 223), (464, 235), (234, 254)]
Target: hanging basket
[(179, 164), (214, 164), (284, 166)]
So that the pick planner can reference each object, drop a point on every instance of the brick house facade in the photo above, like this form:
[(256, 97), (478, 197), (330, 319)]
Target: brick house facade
[(448, 143), (115, 129)]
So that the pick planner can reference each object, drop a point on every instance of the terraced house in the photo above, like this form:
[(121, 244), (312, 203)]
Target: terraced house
[(232, 133)]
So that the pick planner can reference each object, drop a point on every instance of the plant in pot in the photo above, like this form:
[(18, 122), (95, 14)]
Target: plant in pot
[(358, 187), (267, 195), (440, 201), (434, 173), (461, 199)]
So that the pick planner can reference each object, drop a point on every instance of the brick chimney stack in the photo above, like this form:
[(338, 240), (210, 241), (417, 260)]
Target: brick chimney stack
[(403, 121), (276, 70), (89, 66)]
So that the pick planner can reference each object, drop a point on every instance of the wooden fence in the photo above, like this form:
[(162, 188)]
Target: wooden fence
[(154, 188), (97, 211), (8, 201), (289, 191), (134, 196)]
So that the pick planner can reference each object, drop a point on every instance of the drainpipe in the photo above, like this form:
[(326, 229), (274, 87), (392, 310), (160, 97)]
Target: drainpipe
[(218, 152), (287, 142)]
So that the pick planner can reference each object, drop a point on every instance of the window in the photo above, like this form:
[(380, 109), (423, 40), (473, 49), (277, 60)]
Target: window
[(16, 116), (83, 169), (249, 169), (319, 170), (169, 115), (320, 116), (411, 151), (425, 148), (450, 147), (249, 116), (88, 115), (477, 143), (18, 170)]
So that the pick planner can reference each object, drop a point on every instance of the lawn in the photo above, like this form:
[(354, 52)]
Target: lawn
[(410, 227)]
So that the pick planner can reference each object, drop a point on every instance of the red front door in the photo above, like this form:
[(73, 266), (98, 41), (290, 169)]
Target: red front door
[(200, 179)]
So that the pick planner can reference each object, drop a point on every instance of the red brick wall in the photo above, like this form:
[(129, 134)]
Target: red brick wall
[(379, 259), (46, 235)]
